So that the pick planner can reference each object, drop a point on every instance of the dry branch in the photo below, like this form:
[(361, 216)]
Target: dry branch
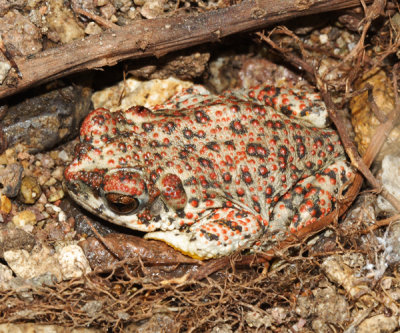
[(157, 37)]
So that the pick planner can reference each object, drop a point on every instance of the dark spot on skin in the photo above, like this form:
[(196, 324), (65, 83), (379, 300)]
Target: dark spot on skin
[(246, 177), (230, 144), (230, 224), (205, 162), (255, 149), (169, 127), (213, 145), (192, 181), (201, 117), (237, 127), (147, 127), (187, 133), (180, 213), (226, 176), (209, 236)]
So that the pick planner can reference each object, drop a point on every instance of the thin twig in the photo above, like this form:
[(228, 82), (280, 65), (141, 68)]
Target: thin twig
[(99, 20)]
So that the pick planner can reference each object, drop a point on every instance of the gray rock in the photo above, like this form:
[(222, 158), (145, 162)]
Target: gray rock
[(47, 119)]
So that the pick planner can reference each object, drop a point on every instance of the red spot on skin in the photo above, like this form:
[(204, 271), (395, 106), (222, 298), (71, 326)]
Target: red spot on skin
[(209, 203), (173, 191), (240, 191)]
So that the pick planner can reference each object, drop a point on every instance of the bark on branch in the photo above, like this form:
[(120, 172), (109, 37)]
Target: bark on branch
[(157, 37)]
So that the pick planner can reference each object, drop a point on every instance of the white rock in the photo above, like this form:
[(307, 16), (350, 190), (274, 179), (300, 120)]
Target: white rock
[(135, 92), (379, 323), (73, 262), (65, 263), (390, 177), (29, 265), (4, 69), (6, 276)]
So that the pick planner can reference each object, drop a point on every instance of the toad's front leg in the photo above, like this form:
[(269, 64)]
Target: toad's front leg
[(217, 234)]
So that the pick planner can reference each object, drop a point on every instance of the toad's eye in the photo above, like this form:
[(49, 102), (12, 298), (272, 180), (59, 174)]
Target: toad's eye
[(122, 204)]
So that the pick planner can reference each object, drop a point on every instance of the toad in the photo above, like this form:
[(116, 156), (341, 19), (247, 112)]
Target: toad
[(210, 174)]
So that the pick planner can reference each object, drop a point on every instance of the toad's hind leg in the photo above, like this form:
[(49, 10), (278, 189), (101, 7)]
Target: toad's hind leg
[(311, 199), (218, 234)]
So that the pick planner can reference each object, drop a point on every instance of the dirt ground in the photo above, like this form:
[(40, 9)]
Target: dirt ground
[(62, 268)]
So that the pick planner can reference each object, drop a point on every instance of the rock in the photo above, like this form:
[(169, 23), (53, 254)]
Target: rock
[(152, 8), (61, 19), (343, 275), (10, 179), (184, 65), (137, 93), (20, 36), (6, 275), (58, 194), (378, 324), (257, 320), (4, 69), (363, 118), (158, 323), (5, 205), (15, 239), (73, 262), (43, 121), (25, 220), (93, 29), (29, 191), (390, 177), (65, 263)]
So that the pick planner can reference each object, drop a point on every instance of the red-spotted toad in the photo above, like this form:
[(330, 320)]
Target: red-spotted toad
[(210, 174)]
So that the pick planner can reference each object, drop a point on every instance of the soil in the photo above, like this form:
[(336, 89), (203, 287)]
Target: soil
[(340, 276)]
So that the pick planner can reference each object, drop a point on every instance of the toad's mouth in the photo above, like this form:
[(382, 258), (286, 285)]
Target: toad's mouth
[(122, 209)]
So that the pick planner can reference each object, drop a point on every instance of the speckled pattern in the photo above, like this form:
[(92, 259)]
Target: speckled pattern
[(210, 174)]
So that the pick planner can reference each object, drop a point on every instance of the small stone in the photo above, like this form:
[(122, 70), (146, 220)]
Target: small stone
[(30, 265), (100, 3), (323, 38), (92, 29), (390, 176), (15, 239), (61, 20), (10, 179), (4, 69), (379, 324), (152, 9), (63, 156), (107, 11), (256, 319), (24, 219), (136, 93), (65, 263), (58, 173), (57, 195), (6, 276), (30, 190), (73, 262), (20, 34), (5, 205)]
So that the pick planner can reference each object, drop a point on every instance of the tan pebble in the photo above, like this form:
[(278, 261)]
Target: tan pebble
[(3, 159), (30, 190), (24, 218), (58, 173), (58, 195), (5, 204), (50, 182)]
